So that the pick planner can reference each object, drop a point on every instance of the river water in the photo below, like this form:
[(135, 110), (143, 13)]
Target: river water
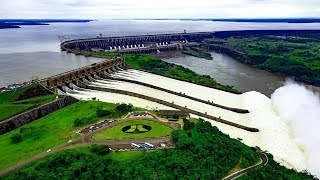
[(227, 70), (34, 50)]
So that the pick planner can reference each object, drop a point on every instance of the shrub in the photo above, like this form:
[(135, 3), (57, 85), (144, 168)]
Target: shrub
[(99, 149), (16, 138), (83, 121), (124, 107), (103, 113)]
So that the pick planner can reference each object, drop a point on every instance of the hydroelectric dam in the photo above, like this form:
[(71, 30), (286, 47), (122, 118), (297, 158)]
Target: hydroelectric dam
[(106, 77), (249, 117), (136, 44)]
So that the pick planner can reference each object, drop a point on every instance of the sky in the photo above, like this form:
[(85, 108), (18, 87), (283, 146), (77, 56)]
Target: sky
[(127, 9)]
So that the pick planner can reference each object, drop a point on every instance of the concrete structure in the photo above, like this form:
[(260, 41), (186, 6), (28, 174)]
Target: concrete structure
[(85, 73), (136, 44)]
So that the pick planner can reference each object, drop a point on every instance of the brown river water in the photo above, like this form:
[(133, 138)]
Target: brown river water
[(229, 71)]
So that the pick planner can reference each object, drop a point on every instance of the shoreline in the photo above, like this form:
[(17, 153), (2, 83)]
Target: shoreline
[(234, 54)]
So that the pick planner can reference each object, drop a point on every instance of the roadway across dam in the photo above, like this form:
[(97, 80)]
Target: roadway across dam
[(136, 44)]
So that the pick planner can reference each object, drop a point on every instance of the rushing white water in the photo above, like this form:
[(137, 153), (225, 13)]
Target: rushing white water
[(299, 108), (116, 98), (287, 122)]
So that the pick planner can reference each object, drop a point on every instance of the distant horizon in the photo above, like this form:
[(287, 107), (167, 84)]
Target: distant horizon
[(204, 18)]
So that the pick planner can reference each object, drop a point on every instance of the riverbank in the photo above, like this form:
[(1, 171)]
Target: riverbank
[(293, 56), (17, 23), (197, 52), (157, 66)]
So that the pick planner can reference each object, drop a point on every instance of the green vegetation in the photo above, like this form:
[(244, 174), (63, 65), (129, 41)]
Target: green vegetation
[(16, 138), (297, 56), (15, 102), (158, 130), (138, 127), (101, 112), (211, 155), (127, 155), (50, 131), (157, 66), (99, 149), (191, 51), (274, 170), (202, 152)]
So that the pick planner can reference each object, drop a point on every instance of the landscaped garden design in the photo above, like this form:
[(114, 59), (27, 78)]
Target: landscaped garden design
[(134, 129)]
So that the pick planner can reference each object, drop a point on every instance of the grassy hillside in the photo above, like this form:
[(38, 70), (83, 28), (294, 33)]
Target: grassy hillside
[(202, 152), (14, 102), (50, 131)]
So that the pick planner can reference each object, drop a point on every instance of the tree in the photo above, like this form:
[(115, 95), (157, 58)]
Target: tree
[(124, 107), (99, 149), (16, 138), (103, 113)]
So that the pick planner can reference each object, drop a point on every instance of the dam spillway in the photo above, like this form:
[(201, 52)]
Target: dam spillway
[(273, 135)]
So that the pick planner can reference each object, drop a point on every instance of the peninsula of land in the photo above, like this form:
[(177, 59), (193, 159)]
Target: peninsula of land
[(17, 23)]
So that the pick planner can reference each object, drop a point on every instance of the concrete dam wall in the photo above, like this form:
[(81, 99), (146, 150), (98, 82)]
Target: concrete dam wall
[(34, 114), (135, 44)]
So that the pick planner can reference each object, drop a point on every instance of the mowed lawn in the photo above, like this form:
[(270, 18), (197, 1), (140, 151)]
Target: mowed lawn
[(48, 132), (9, 106), (158, 130)]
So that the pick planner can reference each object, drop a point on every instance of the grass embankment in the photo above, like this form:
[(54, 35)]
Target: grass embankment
[(157, 66), (297, 56), (15, 102), (191, 51), (158, 130), (202, 152), (50, 131)]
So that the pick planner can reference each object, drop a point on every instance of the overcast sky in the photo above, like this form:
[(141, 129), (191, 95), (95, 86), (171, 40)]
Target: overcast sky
[(124, 9)]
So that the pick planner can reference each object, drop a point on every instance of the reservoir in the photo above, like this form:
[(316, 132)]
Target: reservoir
[(35, 50)]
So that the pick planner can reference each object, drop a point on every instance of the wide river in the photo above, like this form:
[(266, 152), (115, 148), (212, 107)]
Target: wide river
[(227, 70), (34, 50)]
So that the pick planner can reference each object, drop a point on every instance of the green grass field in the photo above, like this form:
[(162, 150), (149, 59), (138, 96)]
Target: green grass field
[(158, 130), (9, 106), (48, 132)]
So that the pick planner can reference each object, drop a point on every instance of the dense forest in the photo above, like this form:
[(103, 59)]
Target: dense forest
[(202, 152), (295, 56)]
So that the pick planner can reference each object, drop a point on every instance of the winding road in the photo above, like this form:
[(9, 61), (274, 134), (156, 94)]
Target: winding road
[(87, 141), (263, 162)]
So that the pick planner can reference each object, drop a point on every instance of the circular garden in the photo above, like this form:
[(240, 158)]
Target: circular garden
[(134, 129)]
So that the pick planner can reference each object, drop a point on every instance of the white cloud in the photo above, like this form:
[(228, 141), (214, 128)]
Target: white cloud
[(110, 9)]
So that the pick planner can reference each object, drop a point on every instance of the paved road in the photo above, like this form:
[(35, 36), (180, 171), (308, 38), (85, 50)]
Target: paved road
[(87, 141), (264, 161)]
